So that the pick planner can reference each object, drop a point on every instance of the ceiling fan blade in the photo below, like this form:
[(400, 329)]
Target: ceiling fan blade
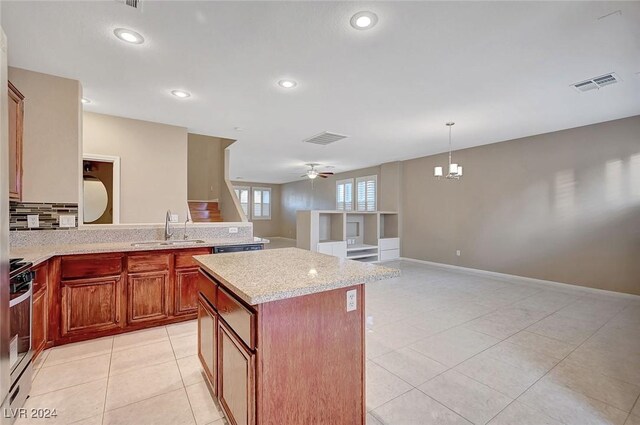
[(327, 173), (304, 175), (322, 176)]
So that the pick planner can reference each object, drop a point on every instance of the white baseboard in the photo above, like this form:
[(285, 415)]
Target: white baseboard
[(281, 237), (522, 279)]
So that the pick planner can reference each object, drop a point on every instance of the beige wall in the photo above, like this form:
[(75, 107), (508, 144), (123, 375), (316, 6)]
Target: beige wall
[(205, 166), (562, 206), (153, 164), (300, 195), (266, 228), (52, 136)]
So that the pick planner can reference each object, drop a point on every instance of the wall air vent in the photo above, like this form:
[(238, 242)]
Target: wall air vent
[(324, 138), (597, 82), (136, 4)]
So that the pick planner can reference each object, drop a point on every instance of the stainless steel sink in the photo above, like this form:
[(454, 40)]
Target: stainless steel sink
[(151, 243), (184, 242), (168, 243)]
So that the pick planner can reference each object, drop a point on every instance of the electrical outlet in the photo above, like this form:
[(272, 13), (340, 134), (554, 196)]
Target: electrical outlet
[(67, 220), (352, 298), (458, 253), (33, 220), (233, 230), (174, 218)]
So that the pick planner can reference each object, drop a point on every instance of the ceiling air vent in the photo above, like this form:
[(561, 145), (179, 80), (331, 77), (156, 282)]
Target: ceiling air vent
[(597, 82), (324, 138)]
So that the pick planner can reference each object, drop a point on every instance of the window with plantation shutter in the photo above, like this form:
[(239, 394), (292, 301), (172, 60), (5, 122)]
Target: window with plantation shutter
[(261, 203), (366, 193), (243, 196), (344, 195)]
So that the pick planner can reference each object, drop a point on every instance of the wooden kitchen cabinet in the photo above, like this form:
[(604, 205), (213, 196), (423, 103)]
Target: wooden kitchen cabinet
[(147, 296), (91, 305), (208, 341), (236, 377), (187, 278), (94, 295), (294, 361), (39, 309), (186, 292), (90, 298), (16, 119), (148, 286)]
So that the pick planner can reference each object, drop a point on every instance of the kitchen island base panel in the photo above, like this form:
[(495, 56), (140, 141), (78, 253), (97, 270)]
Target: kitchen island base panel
[(311, 366)]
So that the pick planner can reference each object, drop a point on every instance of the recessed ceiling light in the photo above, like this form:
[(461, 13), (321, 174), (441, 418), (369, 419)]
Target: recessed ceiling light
[(129, 36), (85, 100), (364, 20), (181, 94), (287, 84)]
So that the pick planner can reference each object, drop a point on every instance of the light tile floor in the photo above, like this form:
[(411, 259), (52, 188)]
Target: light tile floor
[(443, 347), (150, 377), (448, 347)]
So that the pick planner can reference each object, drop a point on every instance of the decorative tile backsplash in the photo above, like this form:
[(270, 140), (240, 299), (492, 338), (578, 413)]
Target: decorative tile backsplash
[(48, 215)]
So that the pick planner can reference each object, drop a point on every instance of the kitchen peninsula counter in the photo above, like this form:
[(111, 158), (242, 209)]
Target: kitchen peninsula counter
[(42, 253), (281, 335)]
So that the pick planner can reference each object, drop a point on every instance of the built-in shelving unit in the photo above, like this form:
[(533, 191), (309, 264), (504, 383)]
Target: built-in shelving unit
[(389, 241), (356, 235)]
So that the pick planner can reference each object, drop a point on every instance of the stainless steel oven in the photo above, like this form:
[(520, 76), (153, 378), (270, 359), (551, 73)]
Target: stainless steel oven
[(20, 316)]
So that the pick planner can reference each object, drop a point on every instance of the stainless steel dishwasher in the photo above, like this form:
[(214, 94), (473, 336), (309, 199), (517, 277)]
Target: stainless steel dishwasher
[(238, 248)]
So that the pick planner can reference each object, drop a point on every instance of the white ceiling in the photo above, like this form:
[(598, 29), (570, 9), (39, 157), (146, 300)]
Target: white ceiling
[(501, 70)]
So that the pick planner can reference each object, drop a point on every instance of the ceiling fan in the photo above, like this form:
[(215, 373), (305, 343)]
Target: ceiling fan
[(312, 173)]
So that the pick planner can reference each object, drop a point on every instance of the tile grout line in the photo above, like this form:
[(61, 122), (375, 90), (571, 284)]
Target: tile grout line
[(549, 371), (184, 387), (449, 368), (106, 390), (503, 340)]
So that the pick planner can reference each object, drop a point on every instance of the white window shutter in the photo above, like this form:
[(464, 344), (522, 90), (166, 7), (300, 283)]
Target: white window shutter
[(348, 196), (366, 193)]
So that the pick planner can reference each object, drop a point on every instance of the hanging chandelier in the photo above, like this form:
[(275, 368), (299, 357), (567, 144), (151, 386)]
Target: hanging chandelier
[(455, 170)]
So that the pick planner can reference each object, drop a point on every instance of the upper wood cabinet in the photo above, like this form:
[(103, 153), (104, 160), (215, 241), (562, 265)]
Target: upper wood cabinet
[(16, 116)]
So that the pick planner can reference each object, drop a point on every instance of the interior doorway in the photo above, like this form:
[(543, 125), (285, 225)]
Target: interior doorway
[(100, 189)]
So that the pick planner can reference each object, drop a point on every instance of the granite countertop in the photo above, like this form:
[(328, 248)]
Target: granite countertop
[(39, 254), (262, 276)]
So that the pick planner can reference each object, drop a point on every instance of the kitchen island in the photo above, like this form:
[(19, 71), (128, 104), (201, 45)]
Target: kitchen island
[(281, 335)]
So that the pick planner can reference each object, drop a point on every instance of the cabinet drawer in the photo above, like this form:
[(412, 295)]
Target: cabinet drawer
[(208, 288), (389, 243), (149, 262), (90, 266), (237, 316), (184, 259), (389, 254)]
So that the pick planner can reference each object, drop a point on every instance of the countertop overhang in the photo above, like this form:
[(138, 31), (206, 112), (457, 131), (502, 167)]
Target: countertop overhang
[(40, 254), (258, 277)]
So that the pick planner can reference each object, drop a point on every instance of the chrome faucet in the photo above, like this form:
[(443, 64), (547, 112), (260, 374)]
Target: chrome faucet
[(185, 236), (167, 230)]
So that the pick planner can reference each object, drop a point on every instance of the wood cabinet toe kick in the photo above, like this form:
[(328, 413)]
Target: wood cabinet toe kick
[(295, 361)]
